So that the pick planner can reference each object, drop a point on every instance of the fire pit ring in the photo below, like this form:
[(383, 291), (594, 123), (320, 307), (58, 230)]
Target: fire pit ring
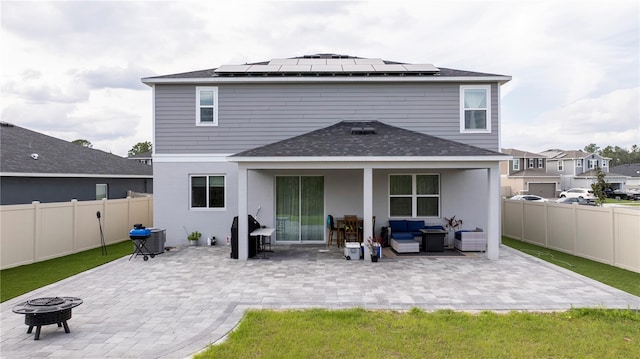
[(45, 311)]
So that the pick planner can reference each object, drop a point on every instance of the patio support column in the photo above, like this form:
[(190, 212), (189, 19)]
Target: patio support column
[(367, 206), (243, 221), (493, 227)]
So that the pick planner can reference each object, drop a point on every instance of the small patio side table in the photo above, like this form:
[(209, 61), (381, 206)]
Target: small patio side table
[(433, 240)]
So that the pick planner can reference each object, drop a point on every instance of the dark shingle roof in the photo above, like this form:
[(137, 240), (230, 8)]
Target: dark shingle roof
[(629, 169), (521, 154), (387, 141), (56, 156)]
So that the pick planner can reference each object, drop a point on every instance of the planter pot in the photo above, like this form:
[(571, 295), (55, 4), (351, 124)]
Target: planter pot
[(374, 258), (193, 243)]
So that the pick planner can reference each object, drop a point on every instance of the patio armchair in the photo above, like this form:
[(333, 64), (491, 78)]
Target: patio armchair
[(470, 240)]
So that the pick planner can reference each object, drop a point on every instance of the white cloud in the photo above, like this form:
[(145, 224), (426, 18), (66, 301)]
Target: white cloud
[(610, 119), (79, 63)]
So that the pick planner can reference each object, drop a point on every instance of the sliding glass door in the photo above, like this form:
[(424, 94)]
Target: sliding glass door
[(299, 208)]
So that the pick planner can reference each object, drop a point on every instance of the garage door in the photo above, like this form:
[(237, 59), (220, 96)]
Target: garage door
[(546, 190)]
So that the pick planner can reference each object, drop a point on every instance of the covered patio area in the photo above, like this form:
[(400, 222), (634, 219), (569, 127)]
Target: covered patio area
[(386, 173)]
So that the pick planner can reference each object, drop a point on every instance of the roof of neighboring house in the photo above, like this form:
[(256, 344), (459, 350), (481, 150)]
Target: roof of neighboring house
[(533, 172), (139, 156), (521, 154), (32, 153), (556, 154), (355, 139), (629, 169), (326, 66), (594, 173)]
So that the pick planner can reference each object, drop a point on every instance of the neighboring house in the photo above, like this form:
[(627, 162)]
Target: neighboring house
[(290, 141), (37, 167), (526, 173), (144, 157), (631, 171), (580, 169)]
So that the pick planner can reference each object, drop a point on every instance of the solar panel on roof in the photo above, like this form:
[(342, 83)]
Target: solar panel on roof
[(421, 68), (232, 68), (326, 68), (369, 62), (263, 68), (312, 61), (389, 68), (340, 62), (358, 68), (283, 62), (295, 68)]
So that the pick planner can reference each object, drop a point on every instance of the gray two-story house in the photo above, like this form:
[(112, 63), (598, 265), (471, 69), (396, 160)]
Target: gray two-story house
[(526, 173), (580, 169), (293, 140)]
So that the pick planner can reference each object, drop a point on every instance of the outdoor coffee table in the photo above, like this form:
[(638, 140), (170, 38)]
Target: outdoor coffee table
[(433, 240), (46, 311)]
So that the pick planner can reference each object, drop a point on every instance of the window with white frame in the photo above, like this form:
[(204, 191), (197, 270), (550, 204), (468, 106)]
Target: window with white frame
[(560, 165), (532, 163), (516, 164), (604, 163), (475, 108), (414, 195), (206, 106), (579, 163), (102, 191), (540, 163), (207, 191), (592, 164)]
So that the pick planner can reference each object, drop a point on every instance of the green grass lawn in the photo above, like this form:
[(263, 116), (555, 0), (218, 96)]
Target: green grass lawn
[(622, 201), (356, 333), (616, 277), (23, 279)]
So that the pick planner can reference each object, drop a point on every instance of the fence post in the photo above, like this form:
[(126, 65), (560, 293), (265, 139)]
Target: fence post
[(74, 221), (613, 235), (37, 228)]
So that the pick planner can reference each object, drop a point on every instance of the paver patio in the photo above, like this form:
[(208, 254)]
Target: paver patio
[(178, 302)]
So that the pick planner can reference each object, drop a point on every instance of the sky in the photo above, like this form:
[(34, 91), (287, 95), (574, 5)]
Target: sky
[(72, 70)]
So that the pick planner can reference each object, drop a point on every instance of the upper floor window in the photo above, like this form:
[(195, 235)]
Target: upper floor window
[(579, 163), (475, 108), (560, 165), (592, 164), (414, 195), (540, 163), (532, 163), (206, 106), (516, 164), (207, 191)]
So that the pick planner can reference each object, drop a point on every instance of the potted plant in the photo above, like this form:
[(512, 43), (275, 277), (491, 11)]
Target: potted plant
[(193, 237), (374, 245), (451, 224)]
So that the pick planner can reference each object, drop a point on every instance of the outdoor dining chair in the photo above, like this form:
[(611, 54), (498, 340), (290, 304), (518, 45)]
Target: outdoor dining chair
[(351, 232)]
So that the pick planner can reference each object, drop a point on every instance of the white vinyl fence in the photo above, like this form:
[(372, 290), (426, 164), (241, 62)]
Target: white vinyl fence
[(609, 235), (35, 232)]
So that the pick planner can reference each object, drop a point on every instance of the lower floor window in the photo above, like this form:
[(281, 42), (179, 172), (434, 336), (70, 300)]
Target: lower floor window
[(207, 191), (414, 195)]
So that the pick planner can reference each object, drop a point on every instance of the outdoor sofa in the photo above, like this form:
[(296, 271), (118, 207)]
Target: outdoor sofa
[(404, 235)]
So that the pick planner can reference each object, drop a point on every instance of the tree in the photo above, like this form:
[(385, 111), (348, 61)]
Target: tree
[(599, 187), (83, 142), (139, 148), (591, 148)]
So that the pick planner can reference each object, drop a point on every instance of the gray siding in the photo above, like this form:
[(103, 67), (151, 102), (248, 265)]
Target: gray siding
[(253, 115), (22, 190)]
